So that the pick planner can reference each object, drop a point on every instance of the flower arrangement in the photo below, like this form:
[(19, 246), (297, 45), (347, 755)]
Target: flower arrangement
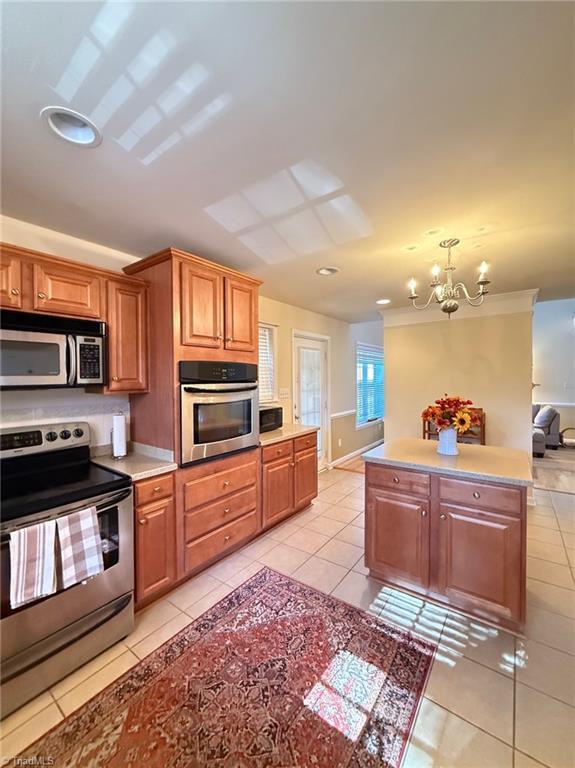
[(451, 411)]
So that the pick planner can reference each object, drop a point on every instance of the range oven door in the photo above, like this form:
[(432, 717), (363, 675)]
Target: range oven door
[(35, 359), (217, 419)]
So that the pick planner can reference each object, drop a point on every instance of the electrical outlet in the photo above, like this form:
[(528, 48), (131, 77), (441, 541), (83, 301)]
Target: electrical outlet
[(284, 393)]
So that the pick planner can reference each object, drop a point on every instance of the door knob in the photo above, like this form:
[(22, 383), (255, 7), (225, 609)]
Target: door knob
[(442, 517), (41, 295), (15, 291)]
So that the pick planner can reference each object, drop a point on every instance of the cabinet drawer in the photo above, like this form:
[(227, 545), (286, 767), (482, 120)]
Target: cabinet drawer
[(216, 543), (399, 480), (277, 451), (153, 489), (213, 487), (469, 492), (212, 516), (306, 441)]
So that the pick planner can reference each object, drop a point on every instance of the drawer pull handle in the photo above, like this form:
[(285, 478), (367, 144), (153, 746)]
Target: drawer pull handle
[(157, 489), (226, 483), (143, 521), (226, 510), (15, 291), (442, 517), (41, 295), (396, 479), (227, 538), (115, 378), (423, 512), (476, 495)]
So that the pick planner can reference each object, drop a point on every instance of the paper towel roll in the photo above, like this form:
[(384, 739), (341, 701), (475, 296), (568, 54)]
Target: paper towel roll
[(118, 435)]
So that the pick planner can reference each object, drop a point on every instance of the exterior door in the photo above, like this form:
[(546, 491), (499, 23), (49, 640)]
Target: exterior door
[(155, 548), (11, 282), (128, 344), (305, 477), (277, 489), (480, 560), (240, 315), (397, 538), (66, 291), (311, 388), (202, 311)]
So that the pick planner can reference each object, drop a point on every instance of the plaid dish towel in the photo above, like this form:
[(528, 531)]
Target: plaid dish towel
[(80, 546), (32, 563)]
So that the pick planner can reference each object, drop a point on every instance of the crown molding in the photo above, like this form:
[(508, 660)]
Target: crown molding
[(494, 304)]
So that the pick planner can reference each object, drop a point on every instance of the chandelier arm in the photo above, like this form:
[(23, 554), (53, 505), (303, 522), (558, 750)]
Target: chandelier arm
[(479, 296), (427, 303)]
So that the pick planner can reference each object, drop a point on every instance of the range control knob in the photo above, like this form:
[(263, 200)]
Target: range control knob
[(78, 432), (51, 436), (65, 434)]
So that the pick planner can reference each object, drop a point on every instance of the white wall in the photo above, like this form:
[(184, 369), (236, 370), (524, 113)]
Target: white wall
[(43, 406)]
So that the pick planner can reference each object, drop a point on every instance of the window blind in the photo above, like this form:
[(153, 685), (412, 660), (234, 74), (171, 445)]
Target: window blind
[(266, 372), (370, 394)]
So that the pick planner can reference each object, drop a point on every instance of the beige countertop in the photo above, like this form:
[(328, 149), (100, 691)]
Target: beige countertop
[(136, 465), (285, 433), (478, 462)]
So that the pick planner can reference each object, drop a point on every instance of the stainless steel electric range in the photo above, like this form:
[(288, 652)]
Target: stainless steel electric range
[(47, 473)]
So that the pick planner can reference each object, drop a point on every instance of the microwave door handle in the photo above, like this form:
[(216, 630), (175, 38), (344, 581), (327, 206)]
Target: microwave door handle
[(72, 353)]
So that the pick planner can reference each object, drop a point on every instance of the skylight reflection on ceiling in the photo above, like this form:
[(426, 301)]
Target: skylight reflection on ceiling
[(177, 94), (118, 94), (139, 128), (151, 56), (275, 195), (110, 21)]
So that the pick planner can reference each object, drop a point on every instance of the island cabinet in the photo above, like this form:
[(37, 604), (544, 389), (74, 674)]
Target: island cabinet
[(289, 477), (460, 542)]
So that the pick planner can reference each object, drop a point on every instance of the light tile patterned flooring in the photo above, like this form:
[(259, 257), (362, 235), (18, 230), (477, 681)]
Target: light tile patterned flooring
[(491, 701)]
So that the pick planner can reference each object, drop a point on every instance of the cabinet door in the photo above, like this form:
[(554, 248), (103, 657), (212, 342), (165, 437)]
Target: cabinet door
[(67, 290), (305, 477), (127, 337), (480, 560), (202, 298), (155, 548), (277, 490), (397, 538), (241, 315), (11, 282)]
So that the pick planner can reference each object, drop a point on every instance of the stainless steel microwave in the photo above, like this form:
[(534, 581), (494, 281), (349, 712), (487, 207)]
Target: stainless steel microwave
[(50, 351)]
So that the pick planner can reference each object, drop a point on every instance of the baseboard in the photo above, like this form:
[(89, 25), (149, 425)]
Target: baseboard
[(353, 454)]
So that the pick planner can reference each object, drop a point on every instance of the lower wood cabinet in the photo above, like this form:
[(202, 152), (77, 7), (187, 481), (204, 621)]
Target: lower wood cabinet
[(155, 538), (397, 538), (289, 478), (469, 556), (278, 489)]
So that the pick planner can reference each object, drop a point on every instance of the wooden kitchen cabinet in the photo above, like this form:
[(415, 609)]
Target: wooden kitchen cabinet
[(127, 337), (479, 559), (305, 477), (289, 477), (63, 290), (240, 315), (277, 490), (11, 282), (155, 539), (202, 308)]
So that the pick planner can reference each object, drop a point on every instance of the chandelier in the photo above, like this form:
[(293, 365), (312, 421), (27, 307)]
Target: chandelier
[(447, 294)]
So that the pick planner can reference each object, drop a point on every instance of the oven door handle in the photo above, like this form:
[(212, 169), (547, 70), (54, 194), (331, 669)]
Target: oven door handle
[(204, 390), (72, 354)]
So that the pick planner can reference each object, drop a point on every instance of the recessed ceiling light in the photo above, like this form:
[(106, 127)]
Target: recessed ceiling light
[(434, 231), (478, 245), (383, 301), (327, 271), (72, 126), (413, 247)]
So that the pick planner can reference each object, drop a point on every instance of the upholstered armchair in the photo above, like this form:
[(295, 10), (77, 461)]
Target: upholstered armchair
[(546, 419)]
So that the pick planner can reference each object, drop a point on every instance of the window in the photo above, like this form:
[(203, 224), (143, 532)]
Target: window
[(369, 383), (267, 363)]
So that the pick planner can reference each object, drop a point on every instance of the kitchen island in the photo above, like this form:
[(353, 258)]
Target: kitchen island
[(450, 528)]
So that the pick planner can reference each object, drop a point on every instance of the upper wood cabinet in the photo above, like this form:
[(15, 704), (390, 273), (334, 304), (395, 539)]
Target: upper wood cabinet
[(67, 290), (240, 315), (202, 310), (397, 538), (11, 282), (127, 337)]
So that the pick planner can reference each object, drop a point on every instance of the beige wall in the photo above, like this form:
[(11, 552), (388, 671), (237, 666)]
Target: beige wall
[(486, 359), (343, 337)]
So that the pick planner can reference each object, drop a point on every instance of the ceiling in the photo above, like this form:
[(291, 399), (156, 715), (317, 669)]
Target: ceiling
[(281, 137)]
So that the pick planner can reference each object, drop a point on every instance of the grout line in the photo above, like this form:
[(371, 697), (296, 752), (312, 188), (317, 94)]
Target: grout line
[(470, 722), (544, 693)]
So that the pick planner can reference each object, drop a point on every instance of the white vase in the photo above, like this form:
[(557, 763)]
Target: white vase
[(447, 444)]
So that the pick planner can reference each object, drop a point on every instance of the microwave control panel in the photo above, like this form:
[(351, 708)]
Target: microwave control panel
[(90, 360)]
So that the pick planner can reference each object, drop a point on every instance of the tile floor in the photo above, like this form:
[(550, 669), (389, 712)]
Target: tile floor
[(491, 701)]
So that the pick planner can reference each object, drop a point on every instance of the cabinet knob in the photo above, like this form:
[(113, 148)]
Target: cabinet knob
[(227, 538), (115, 378), (423, 512), (292, 464), (442, 517), (279, 450), (476, 495), (41, 295), (15, 291), (157, 489), (226, 510), (396, 479), (226, 483), (229, 338), (143, 521)]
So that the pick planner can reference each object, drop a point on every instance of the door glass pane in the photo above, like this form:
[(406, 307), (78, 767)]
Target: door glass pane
[(222, 421), (310, 389), (29, 358)]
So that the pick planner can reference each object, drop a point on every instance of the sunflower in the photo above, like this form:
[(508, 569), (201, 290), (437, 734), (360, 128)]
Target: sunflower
[(462, 421)]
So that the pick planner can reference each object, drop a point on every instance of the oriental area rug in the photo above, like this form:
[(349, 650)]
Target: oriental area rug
[(276, 675)]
